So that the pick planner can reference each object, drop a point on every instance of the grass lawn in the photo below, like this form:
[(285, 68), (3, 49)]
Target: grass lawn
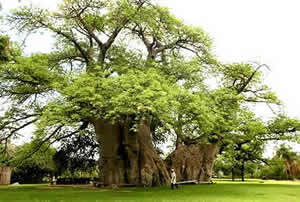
[(222, 191)]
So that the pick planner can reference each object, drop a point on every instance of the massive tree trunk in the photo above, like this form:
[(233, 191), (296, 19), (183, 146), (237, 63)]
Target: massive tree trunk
[(5, 175), (193, 162), (128, 157)]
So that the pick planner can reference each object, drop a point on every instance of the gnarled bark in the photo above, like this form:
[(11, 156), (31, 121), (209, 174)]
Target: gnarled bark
[(193, 162), (127, 157)]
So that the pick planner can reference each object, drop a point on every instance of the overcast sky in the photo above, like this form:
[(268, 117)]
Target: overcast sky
[(266, 31)]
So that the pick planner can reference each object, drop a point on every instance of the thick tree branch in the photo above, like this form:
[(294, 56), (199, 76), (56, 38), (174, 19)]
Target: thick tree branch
[(11, 133), (250, 79)]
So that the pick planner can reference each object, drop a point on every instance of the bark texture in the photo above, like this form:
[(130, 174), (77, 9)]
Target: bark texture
[(193, 162), (127, 157), (5, 175)]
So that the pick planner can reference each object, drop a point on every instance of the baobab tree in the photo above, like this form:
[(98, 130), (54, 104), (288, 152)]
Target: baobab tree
[(133, 73)]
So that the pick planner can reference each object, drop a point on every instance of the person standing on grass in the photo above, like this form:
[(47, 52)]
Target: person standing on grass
[(173, 179)]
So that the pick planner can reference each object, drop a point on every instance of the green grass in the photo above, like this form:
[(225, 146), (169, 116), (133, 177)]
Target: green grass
[(223, 191)]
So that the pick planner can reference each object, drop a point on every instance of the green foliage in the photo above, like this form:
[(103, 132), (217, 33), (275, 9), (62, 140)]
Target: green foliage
[(76, 154), (284, 128), (33, 169), (243, 145), (7, 151), (28, 78), (43, 158), (274, 171), (225, 166), (4, 49), (8, 50), (285, 152), (283, 166), (246, 141), (128, 61)]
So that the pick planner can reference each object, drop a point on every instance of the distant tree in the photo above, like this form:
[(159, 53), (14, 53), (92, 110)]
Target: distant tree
[(283, 166), (291, 160), (247, 141), (77, 154), (36, 168)]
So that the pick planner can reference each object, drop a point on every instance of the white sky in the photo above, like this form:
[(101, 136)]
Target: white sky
[(267, 31)]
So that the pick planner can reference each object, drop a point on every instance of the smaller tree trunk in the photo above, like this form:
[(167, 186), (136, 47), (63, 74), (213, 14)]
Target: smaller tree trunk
[(243, 171), (232, 174), (5, 175), (193, 162)]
